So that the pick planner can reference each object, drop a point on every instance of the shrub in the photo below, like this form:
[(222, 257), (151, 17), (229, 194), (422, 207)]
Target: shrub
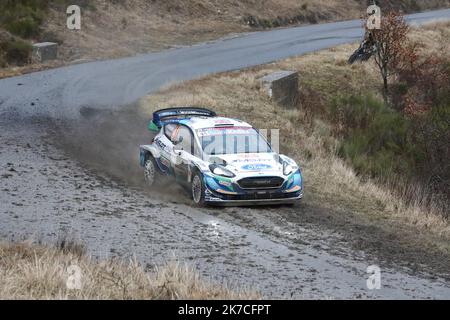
[(376, 139), (421, 83), (386, 144), (16, 51), (352, 111), (25, 28), (434, 132), (23, 18), (3, 63)]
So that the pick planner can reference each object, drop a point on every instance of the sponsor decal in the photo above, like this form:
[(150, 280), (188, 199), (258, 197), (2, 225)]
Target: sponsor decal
[(247, 156), (256, 167), (161, 144), (184, 112), (206, 132), (248, 160), (224, 183), (222, 121), (226, 192), (165, 162)]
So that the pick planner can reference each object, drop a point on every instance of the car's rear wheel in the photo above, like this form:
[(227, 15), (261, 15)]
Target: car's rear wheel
[(198, 189), (151, 172)]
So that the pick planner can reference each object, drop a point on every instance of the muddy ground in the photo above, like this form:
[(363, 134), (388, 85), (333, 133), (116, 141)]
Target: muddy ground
[(83, 180)]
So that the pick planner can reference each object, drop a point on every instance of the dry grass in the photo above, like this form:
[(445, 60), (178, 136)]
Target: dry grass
[(329, 181), (17, 71), (30, 271), (434, 37), (129, 27)]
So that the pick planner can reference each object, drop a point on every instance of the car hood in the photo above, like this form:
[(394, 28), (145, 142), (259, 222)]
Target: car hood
[(251, 163)]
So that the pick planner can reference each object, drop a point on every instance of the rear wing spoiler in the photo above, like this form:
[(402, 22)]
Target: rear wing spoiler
[(161, 116)]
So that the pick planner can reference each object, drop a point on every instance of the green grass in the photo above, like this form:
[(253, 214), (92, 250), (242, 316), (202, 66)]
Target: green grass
[(15, 51), (3, 62), (377, 140), (23, 18), (384, 144)]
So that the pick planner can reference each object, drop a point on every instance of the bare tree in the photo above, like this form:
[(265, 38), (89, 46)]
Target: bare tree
[(391, 46)]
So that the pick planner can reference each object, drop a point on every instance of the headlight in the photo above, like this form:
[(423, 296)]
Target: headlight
[(221, 171), (287, 169)]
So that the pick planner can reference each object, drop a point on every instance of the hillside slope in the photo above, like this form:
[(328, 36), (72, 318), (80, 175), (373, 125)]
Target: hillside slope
[(115, 28)]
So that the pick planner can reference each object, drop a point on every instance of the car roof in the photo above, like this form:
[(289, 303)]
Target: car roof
[(211, 122)]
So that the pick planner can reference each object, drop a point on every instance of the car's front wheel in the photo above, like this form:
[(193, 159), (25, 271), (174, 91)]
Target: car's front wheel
[(198, 189)]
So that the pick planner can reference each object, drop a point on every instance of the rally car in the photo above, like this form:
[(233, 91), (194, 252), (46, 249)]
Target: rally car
[(222, 161)]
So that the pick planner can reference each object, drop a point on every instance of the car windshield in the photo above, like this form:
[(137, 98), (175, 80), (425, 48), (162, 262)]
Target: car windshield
[(232, 140)]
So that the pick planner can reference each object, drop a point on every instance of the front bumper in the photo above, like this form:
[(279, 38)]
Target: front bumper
[(253, 202), (226, 191)]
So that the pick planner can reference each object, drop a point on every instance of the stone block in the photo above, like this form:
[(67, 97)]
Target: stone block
[(281, 87), (44, 51)]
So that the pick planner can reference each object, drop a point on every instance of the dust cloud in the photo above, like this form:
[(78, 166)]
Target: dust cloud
[(107, 141)]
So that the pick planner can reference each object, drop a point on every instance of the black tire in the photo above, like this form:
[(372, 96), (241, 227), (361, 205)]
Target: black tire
[(152, 176), (198, 189)]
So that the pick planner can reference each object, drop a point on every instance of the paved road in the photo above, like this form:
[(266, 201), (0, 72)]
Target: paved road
[(60, 92)]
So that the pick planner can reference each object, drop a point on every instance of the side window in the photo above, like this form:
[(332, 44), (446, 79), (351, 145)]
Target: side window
[(197, 150), (169, 131), (187, 142)]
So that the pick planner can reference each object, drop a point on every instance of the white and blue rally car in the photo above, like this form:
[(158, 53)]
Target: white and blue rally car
[(223, 161)]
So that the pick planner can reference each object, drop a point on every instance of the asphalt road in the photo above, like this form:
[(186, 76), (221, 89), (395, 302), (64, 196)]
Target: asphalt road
[(105, 84)]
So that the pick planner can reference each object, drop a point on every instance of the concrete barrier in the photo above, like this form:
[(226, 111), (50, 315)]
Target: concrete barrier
[(44, 51), (281, 87)]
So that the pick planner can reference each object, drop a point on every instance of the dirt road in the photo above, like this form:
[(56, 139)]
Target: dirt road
[(45, 195)]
